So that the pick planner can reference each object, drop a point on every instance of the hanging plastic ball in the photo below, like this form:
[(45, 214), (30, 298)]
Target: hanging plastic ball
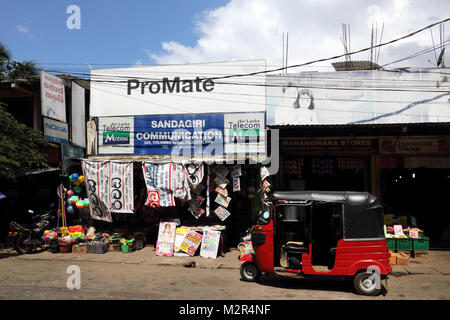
[(69, 202), (70, 209), (69, 193), (74, 199), (78, 189), (75, 176), (86, 202), (81, 179), (70, 178), (80, 204)]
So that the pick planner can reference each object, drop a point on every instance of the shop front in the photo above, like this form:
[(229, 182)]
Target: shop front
[(177, 168)]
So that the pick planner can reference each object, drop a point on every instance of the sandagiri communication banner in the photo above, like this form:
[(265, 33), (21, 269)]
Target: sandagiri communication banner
[(210, 133)]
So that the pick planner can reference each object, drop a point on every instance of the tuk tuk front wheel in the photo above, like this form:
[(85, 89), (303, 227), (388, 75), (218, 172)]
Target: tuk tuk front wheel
[(368, 284), (250, 272)]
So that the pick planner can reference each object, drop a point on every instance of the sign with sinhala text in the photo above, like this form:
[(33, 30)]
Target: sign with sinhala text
[(53, 97)]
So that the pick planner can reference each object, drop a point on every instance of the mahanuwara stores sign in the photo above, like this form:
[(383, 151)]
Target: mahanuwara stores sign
[(313, 145)]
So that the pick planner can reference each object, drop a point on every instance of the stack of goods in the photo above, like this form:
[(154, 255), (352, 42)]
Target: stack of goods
[(404, 243), (126, 245)]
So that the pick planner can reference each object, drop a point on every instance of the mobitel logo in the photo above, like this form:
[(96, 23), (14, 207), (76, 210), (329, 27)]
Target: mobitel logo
[(116, 137)]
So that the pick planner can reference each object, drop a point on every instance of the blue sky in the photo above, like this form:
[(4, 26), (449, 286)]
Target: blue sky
[(112, 32), (124, 33)]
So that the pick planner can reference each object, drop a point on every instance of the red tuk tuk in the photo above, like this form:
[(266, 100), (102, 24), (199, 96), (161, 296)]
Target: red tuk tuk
[(301, 234)]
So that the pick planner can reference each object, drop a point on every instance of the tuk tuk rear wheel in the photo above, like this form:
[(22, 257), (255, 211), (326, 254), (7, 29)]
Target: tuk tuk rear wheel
[(250, 272), (367, 283)]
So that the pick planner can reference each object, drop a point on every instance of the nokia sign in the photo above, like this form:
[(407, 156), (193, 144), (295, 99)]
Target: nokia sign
[(169, 86)]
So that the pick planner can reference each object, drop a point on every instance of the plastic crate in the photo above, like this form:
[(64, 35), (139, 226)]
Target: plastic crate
[(391, 244), (96, 247), (404, 244), (127, 248), (421, 244)]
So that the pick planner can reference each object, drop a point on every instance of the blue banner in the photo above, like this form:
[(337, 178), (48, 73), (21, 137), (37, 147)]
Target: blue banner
[(180, 134)]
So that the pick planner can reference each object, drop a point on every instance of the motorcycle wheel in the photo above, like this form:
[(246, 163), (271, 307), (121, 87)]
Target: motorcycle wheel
[(21, 247)]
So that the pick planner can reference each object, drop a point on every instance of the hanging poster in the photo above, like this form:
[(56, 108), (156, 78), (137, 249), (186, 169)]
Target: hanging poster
[(221, 181), (121, 187), (223, 192), (223, 201), (236, 184), (191, 242), (96, 174), (166, 239), (195, 209), (179, 237), (210, 244), (195, 173), (236, 171), (222, 213)]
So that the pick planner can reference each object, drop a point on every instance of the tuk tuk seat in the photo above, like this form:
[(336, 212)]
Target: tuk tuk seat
[(295, 247)]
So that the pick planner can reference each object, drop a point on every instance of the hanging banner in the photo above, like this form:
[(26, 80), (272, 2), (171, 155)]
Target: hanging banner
[(157, 195), (210, 244), (166, 239), (179, 237), (195, 173), (191, 242), (96, 174), (53, 97), (165, 182), (121, 187)]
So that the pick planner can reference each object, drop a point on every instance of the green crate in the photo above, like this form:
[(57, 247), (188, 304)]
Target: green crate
[(404, 244), (421, 244), (391, 244)]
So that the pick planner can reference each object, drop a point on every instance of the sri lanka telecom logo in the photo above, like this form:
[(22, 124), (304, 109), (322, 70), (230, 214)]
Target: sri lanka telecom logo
[(116, 133)]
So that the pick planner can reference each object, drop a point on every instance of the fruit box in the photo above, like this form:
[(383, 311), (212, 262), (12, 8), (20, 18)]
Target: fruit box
[(79, 249)]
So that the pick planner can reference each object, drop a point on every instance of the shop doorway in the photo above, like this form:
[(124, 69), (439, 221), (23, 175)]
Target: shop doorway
[(421, 193)]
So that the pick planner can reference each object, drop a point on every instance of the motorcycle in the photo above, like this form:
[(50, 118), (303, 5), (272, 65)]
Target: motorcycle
[(29, 238)]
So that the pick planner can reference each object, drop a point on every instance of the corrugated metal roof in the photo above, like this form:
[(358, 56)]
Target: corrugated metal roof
[(355, 65)]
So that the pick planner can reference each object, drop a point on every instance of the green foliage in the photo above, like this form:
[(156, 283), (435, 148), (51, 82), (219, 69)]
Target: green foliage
[(18, 146)]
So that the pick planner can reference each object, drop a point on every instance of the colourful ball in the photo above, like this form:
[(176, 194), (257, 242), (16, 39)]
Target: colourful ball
[(78, 189), (70, 193), (74, 199), (75, 177), (86, 202), (81, 179), (70, 178), (80, 204), (53, 234), (70, 209)]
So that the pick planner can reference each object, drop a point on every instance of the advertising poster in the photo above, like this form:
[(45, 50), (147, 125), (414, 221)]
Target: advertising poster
[(96, 174), (121, 187), (210, 244), (53, 97), (179, 237), (166, 239), (191, 242), (78, 115)]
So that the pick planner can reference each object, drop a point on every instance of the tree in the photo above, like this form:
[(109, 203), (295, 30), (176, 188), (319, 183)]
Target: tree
[(15, 71), (18, 142)]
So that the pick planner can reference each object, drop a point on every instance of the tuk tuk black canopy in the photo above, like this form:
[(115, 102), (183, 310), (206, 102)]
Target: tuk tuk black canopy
[(362, 212)]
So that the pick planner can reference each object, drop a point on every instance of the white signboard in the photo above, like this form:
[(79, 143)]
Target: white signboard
[(56, 131), (178, 89), (116, 135), (53, 97), (359, 97), (78, 116)]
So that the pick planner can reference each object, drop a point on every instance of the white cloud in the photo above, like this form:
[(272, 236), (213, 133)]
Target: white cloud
[(252, 29), (25, 30)]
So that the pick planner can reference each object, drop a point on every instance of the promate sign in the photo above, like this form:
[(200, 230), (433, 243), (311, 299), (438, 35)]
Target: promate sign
[(178, 89), (170, 86)]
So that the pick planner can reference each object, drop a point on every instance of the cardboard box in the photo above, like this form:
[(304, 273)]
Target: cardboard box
[(393, 259), (78, 249), (405, 253), (402, 259)]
